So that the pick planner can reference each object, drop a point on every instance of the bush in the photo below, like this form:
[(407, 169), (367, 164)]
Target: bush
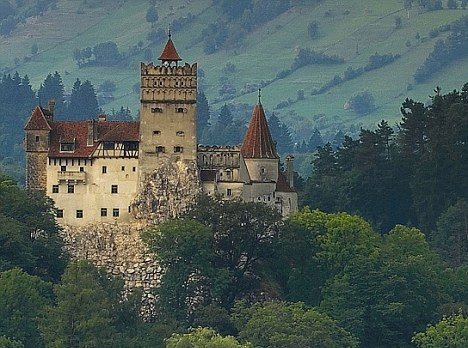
[(362, 103)]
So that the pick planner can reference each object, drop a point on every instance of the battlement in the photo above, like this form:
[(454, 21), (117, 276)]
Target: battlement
[(216, 148), (162, 70)]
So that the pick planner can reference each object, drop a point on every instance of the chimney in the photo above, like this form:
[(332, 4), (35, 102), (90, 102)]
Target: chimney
[(290, 170), (102, 117), (92, 133), (51, 109)]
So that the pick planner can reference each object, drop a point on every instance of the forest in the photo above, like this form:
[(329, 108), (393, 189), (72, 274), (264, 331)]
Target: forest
[(376, 256)]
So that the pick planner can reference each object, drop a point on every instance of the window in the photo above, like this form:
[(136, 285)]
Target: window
[(180, 133), (108, 145), (156, 132), (67, 147), (104, 169), (179, 110), (115, 212), (55, 188), (103, 212), (63, 168), (71, 188), (114, 189), (229, 192), (160, 149), (156, 110), (79, 214), (123, 168), (178, 149), (59, 213), (81, 169), (134, 169), (37, 138)]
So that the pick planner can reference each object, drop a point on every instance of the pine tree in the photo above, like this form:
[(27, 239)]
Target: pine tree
[(203, 114), (315, 140), (83, 101), (52, 88)]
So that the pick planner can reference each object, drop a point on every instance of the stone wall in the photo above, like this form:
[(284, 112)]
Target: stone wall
[(118, 249), (36, 170)]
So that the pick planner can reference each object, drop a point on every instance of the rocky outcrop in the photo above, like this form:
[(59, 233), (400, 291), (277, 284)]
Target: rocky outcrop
[(167, 192)]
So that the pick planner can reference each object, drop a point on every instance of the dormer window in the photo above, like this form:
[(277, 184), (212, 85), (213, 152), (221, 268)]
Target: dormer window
[(67, 147)]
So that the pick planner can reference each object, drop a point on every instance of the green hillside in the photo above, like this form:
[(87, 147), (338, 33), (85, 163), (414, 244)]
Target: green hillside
[(353, 30)]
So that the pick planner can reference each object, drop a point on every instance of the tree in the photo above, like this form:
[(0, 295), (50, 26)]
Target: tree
[(452, 4), (451, 236), (387, 296), (280, 134), (362, 103), (183, 248), (52, 89), (203, 337), (5, 342), (22, 298), (277, 324), (312, 29), (152, 16), (83, 101), (315, 140), (28, 232), (90, 311), (449, 332), (397, 22), (225, 116)]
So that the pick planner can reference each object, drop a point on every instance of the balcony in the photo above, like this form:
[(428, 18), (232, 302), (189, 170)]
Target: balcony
[(72, 177)]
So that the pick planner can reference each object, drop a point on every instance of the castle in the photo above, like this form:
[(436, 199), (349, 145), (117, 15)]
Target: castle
[(93, 170)]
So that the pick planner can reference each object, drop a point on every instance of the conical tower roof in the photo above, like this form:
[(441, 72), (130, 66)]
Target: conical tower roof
[(169, 52), (37, 121), (258, 142)]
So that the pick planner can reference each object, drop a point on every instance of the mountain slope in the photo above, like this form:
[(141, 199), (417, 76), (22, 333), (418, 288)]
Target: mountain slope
[(354, 30)]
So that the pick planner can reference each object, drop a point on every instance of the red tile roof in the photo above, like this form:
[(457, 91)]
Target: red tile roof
[(169, 52), (37, 121), (258, 142), (78, 131), (282, 184)]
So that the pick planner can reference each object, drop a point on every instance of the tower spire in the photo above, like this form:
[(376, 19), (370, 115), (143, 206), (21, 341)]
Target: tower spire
[(169, 53), (259, 96)]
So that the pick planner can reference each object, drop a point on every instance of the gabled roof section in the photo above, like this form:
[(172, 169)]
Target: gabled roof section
[(169, 52), (37, 121), (117, 131), (258, 142), (282, 184)]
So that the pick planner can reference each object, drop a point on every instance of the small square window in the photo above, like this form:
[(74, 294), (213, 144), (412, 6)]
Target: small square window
[(103, 212), (37, 138), (156, 110), (63, 168), (229, 192), (115, 212), (71, 189), (55, 188), (156, 132), (114, 189), (104, 169), (179, 110), (79, 214), (134, 169), (59, 213), (178, 149), (160, 149), (81, 169), (123, 168)]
